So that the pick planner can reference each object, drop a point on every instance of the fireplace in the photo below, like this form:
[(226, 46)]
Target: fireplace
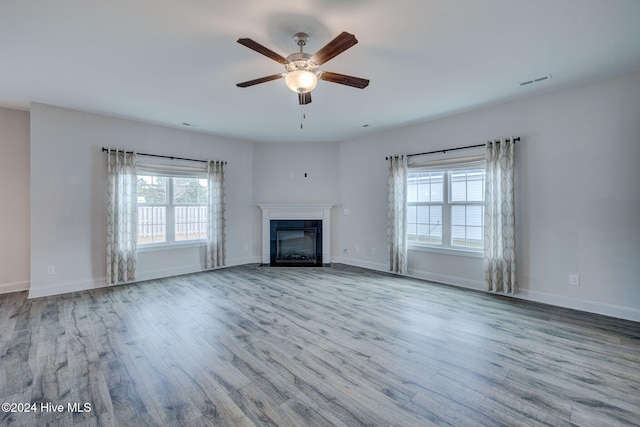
[(302, 227), (295, 243)]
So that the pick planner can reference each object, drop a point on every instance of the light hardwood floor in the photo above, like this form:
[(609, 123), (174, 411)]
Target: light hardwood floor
[(339, 346)]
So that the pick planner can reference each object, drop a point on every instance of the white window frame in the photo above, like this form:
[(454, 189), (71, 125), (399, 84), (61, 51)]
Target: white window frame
[(447, 167), (170, 172)]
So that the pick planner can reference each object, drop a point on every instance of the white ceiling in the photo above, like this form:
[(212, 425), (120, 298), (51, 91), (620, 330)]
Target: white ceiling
[(177, 61)]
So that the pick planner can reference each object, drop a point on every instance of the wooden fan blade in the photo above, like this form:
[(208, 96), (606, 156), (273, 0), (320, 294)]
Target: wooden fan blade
[(304, 98), (343, 79), (260, 80), (335, 47), (263, 50)]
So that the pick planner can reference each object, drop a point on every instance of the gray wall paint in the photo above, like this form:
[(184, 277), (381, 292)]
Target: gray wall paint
[(578, 200), (68, 196), (14, 200), (278, 177), (279, 173)]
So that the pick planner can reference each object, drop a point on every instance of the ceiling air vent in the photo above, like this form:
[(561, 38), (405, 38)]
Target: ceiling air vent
[(536, 80)]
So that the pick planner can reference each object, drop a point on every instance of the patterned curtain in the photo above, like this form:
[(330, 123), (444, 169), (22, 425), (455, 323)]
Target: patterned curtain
[(499, 219), (397, 213), (216, 239), (122, 216)]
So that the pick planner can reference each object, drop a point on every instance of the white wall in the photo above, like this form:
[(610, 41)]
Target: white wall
[(578, 200), (68, 196), (279, 173), (278, 177), (14, 200)]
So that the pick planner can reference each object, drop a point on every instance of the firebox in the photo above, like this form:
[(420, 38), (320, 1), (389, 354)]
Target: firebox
[(296, 243)]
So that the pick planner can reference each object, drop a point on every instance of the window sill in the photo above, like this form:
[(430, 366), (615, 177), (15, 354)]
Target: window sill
[(446, 251), (153, 247)]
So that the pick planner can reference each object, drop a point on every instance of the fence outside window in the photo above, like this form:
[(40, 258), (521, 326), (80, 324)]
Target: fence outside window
[(190, 223)]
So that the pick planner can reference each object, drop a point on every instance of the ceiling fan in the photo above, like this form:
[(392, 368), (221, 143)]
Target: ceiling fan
[(302, 68)]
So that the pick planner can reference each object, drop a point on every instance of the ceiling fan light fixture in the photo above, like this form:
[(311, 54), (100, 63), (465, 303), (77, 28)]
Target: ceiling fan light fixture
[(301, 81)]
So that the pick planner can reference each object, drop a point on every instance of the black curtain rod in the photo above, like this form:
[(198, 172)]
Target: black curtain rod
[(167, 157), (516, 139)]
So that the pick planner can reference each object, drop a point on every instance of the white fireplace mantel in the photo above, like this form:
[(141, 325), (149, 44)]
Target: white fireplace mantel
[(300, 212)]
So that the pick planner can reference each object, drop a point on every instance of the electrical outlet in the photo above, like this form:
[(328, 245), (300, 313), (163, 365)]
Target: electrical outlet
[(373, 251), (51, 269), (357, 248), (574, 279)]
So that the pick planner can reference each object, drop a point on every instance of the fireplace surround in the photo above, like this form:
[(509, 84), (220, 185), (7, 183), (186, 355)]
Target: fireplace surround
[(301, 228)]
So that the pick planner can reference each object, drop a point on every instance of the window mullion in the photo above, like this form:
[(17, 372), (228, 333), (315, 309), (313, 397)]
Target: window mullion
[(446, 210), (170, 212)]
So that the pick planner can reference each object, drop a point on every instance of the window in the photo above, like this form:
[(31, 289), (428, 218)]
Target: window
[(445, 207), (425, 197), (171, 208)]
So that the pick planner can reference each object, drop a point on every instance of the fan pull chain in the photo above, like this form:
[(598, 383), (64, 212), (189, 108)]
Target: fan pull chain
[(303, 115)]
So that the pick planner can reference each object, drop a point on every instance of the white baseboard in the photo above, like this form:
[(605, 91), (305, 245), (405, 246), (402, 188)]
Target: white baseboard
[(360, 263), (417, 274), (6, 288), (596, 307), (65, 288), (167, 272), (621, 312), (257, 259), (140, 277), (447, 280)]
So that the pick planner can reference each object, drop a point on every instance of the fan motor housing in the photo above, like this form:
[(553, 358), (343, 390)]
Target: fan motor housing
[(300, 61)]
